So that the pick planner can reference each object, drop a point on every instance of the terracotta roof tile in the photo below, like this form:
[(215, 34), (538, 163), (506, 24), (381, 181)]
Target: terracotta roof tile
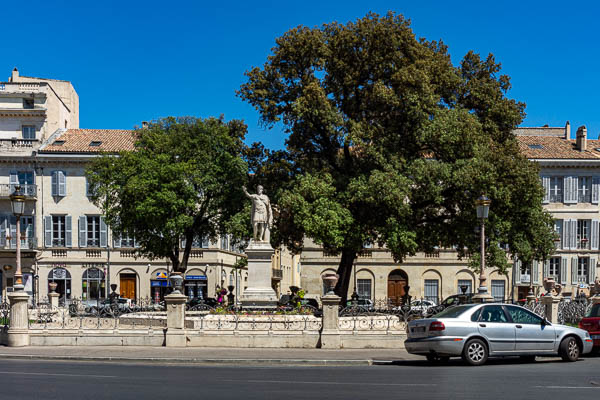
[(547, 147), (91, 141)]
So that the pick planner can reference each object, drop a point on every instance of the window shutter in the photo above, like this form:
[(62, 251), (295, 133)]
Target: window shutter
[(82, 231), (573, 234), (517, 271), (14, 180), (592, 271), (546, 185), (574, 271), (563, 270), (535, 272), (54, 183), (103, 233), (595, 189), (3, 224), (567, 189), (48, 231), (546, 269), (594, 235), (575, 189), (62, 184), (13, 231), (68, 231)]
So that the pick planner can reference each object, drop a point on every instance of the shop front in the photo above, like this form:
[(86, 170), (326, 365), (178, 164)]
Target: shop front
[(159, 286), (195, 286)]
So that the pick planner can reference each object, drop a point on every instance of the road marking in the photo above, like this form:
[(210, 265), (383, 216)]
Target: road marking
[(49, 374), (567, 387), (333, 383)]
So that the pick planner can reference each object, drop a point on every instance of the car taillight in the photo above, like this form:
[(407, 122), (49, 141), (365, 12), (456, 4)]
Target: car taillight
[(436, 326)]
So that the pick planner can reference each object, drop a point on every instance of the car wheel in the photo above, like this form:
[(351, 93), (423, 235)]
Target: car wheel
[(569, 349), (475, 352), (435, 359)]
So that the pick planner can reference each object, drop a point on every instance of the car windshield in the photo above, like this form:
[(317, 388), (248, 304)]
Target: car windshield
[(594, 311), (453, 312)]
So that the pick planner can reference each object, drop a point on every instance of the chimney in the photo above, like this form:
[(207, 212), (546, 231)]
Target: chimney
[(144, 124), (15, 75), (582, 138), (568, 131)]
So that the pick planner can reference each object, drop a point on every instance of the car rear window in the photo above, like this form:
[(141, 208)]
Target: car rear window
[(453, 312), (594, 311)]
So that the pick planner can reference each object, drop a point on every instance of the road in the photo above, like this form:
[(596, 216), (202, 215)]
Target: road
[(511, 379)]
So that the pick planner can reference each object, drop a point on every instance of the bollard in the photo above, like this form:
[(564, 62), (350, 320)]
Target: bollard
[(175, 336), (551, 304), (330, 334), (18, 332)]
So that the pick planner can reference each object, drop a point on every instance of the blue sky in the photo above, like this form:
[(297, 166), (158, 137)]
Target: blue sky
[(132, 61)]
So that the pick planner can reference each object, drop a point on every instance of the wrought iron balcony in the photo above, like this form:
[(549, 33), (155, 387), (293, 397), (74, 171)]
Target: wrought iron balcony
[(29, 243), (29, 191)]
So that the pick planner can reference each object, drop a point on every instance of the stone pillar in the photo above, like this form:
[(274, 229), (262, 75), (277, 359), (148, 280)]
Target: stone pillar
[(175, 336), (259, 294), (330, 334), (551, 304), (53, 299), (18, 332)]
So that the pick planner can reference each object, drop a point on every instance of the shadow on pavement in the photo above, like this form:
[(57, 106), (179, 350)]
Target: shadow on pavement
[(491, 361)]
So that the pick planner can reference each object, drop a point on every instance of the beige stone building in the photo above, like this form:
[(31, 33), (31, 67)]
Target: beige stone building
[(64, 236)]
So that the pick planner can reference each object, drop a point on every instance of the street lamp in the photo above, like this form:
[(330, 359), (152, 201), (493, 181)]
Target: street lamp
[(17, 201), (483, 207)]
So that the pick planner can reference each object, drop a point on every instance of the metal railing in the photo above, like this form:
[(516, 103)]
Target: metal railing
[(28, 190)]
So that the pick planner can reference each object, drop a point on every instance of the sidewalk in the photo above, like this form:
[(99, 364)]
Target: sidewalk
[(224, 356)]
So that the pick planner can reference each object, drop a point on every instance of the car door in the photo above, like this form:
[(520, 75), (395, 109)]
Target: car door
[(531, 333), (495, 326)]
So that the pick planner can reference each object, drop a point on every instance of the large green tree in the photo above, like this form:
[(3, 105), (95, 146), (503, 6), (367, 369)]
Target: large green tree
[(390, 143), (182, 182)]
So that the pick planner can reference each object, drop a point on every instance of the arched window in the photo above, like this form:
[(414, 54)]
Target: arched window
[(93, 287), (62, 278)]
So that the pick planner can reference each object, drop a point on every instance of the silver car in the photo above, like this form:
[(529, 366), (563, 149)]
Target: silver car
[(478, 331)]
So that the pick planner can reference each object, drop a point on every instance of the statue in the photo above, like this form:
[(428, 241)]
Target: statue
[(261, 214)]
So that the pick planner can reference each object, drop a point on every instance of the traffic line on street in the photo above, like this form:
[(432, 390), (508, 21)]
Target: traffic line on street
[(568, 387), (53, 374), (331, 383)]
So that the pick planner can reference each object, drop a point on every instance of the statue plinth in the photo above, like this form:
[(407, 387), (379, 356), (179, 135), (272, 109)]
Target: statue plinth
[(259, 295)]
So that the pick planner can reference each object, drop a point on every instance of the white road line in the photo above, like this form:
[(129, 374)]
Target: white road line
[(331, 383), (49, 374), (569, 387)]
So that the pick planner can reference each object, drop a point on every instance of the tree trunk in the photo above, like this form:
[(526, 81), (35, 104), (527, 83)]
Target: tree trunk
[(345, 273)]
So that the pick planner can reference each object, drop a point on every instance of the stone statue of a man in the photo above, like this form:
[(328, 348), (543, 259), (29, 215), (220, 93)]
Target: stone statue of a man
[(261, 215)]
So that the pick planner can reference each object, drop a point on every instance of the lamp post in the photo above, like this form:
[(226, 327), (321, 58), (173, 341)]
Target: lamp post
[(483, 207), (17, 201)]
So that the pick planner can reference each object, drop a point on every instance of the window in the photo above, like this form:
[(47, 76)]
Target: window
[(28, 104), (125, 240), (465, 282), (92, 283), (583, 233), (58, 231), (24, 179), (89, 189), (62, 278), (584, 189), (525, 271), (498, 290), (521, 316), (59, 184), (556, 189), (95, 143), (554, 269), (583, 264), (92, 231), (28, 132), (363, 288), (431, 290), (558, 233), (493, 314), (224, 242)]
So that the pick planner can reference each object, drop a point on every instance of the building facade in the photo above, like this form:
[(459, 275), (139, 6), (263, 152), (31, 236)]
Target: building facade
[(64, 238)]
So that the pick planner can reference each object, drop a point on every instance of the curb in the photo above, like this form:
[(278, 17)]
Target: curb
[(211, 361)]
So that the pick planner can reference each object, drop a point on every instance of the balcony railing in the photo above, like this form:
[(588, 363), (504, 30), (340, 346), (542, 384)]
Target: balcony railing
[(277, 274), (26, 244), (29, 191)]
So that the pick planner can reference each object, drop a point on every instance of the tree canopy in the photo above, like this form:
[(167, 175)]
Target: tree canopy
[(182, 182), (390, 143)]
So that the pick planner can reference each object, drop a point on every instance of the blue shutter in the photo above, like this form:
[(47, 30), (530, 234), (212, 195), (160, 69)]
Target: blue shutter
[(62, 184), (546, 185), (14, 180), (535, 272), (103, 233), (517, 271), (574, 271), (54, 183), (13, 231), (563, 270), (68, 231), (48, 231), (3, 225), (546, 272), (595, 189), (82, 231), (592, 271)]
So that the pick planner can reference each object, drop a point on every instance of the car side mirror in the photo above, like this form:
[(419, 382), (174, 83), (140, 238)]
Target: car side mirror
[(545, 322)]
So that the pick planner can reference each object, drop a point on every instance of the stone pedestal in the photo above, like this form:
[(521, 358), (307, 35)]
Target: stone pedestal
[(551, 305), (483, 298), (53, 297), (330, 336), (259, 295), (175, 336), (18, 332)]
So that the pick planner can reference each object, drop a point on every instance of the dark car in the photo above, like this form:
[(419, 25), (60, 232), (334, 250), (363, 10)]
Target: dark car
[(457, 299), (591, 323)]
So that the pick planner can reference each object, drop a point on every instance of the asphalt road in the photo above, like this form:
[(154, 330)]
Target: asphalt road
[(506, 379)]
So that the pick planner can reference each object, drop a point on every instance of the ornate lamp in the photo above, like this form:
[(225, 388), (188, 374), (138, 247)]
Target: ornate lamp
[(17, 201)]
